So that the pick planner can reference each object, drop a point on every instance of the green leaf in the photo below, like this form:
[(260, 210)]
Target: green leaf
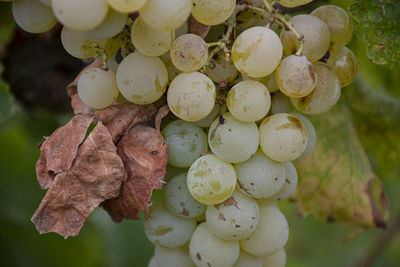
[(378, 27), (7, 106), (336, 180)]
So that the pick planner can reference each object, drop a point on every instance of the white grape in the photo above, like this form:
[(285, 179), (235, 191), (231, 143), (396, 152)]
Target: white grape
[(110, 26), (312, 137), (78, 45), (172, 257), (189, 52), (278, 259), (247, 260), (126, 6), (293, 3), (212, 12), (290, 183), (344, 63)]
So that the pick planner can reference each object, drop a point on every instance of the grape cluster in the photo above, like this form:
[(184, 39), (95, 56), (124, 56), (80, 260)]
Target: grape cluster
[(232, 136)]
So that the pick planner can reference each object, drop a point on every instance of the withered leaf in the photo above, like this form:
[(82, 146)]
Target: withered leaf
[(95, 175), (198, 28)]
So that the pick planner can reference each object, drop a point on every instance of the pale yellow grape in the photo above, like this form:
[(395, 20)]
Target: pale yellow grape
[(171, 69), (290, 183), (260, 177), (293, 3), (80, 15), (344, 63), (247, 260), (212, 12), (126, 6), (257, 52), (153, 262), (150, 42), (165, 15), (234, 141), (110, 26), (271, 234), (249, 101), (325, 95), (220, 69), (78, 45), (33, 16), (278, 259), (316, 37), (234, 219), (210, 180), (189, 52), (141, 79), (206, 249), (296, 76), (191, 96), (206, 122), (312, 137), (269, 81), (338, 22), (165, 229), (172, 257), (283, 137), (280, 103), (98, 88)]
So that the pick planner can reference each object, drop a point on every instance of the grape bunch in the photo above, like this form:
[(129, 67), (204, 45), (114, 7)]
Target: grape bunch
[(232, 135)]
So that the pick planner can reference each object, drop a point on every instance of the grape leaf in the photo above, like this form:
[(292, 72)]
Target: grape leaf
[(378, 27), (336, 181)]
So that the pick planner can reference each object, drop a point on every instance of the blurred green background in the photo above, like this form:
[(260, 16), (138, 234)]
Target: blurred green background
[(103, 243)]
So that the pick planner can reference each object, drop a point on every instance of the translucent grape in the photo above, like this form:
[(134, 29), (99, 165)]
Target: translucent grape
[(207, 249), (179, 200), (126, 6), (257, 52), (212, 12), (33, 16), (316, 37), (210, 180), (247, 260), (283, 137), (296, 76), (165, 229), (280, 103), (234, 219), (142, 79), (150, 42), (293, 3), (78, 45), (186, 142), (338, 22), (165, 15), (290, 183), (249, 101), (191, 96), (260, 177), (325, 95), (172, 257), (206, 122), (344, 63), (220, 69), (271, 234), (234, 141), (98, 88), (189, 52), (110, 26), (80, 15), (278, 259), (312, 137)]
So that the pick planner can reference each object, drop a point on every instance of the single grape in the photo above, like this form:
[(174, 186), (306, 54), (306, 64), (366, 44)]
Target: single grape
[(280, 103), (110, 26), (165, 229), (172, 257), (33, 16), (312, 137), (247, 260), (206, 249), (249, 101), (325, 95), (189, 52), (257, 52), (191, 96), (278, 259), (165, 15), (78, 45), (150, 42), (296, 76), (293, 3), (210, 180), (207, 121), (80, 15), (212, 12), (290, 183), (141, 79), (283, 137), (126, 6), (338, 22), (344, 63), (234, 141), (316, 37), (221, 70), (234, 219)]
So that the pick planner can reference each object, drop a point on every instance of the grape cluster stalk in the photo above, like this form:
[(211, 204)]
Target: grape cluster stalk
[(236, 127)]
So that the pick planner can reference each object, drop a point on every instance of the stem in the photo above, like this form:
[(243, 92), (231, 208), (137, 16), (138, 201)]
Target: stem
[(213, 44)]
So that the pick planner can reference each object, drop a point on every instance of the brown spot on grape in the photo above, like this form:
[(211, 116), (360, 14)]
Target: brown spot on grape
[(198, 256), (221, 217), (185, 212)]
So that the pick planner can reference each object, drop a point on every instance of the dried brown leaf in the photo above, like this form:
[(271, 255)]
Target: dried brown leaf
[(198, 28)]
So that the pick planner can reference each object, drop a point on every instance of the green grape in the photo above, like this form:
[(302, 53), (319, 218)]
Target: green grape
[(316, 37), (325, 95), (247, 260), (312, 137), (172, 257), (296, 76), (78, 45), (290, 183), (98, 88), (189, 52), (249, 101), (221, 70), (269, 81), (344, 63), (283, 137), (280, 103), (207, 121), (141, 79), (126, 6), (257, 52), (293, 3), (210, 180), (278, 259), (171, 69), (110, 26), (212, 12), (338, 22)]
